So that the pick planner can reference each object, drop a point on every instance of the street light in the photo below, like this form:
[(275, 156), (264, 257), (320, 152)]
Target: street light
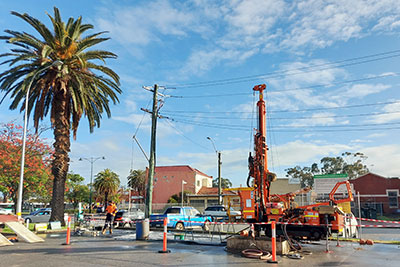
[(21, 176), (183, 182), (91, 160), (219, 171)]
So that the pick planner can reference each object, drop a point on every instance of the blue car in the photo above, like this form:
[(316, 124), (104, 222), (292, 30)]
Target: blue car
[(180, 218)]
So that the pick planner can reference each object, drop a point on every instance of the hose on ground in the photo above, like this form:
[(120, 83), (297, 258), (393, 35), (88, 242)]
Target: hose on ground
[(256, 253)]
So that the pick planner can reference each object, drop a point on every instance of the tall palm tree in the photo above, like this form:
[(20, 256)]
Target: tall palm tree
[(106, 183), (73, 88), (137, 181)]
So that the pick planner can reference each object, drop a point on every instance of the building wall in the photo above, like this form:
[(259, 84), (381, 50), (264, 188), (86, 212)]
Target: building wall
[(375, 189), (168, 181)]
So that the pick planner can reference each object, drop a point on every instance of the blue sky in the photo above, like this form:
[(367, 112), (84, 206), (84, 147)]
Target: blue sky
[(331, 70)]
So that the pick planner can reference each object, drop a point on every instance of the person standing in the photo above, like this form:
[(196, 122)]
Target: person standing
[(111, 210)]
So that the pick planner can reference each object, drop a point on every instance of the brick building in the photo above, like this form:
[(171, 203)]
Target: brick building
[(379, 193), (168, 181)]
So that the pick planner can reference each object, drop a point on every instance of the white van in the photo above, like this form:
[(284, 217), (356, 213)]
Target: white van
[(350, 229)]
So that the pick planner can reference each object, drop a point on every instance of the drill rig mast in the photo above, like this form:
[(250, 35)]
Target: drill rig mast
[(258, 164), (310, 221)]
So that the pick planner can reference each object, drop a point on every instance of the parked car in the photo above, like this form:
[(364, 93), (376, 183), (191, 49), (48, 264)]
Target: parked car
[(125, 218), (220, 212), (38, 216), (180, 218), (3, 211)]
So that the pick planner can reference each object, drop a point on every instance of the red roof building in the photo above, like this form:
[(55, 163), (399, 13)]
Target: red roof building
[(379, 192), (168, 181)]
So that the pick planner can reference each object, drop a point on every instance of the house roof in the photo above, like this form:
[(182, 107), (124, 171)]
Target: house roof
[(180, 168), (370, 173), (213, 191)]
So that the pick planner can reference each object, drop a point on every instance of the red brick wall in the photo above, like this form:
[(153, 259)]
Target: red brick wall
[(375, 187), (168, 181)]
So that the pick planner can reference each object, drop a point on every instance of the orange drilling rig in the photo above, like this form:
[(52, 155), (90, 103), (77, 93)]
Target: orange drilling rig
[(305, 222)]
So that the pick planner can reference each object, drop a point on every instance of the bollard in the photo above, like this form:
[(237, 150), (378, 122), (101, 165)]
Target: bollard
[(273, 241), (68, 231), (165, 250)]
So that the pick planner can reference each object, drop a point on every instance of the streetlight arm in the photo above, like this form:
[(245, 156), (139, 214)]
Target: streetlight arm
[(215, 149)]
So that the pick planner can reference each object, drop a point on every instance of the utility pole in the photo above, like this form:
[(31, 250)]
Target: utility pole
[(152, 161), (219, 179), (219, 171)]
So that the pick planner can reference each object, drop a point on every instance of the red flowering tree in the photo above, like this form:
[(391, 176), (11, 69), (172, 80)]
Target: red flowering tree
[(38, 180)]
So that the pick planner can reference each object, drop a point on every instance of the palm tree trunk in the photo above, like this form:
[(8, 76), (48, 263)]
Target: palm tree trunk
[(61, 160), (105, 199)]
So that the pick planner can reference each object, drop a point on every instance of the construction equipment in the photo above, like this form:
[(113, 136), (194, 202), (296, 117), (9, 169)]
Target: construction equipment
[(259, 206)]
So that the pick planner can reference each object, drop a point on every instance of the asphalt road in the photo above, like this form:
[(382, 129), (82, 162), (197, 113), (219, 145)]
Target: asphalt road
[(111, 251)]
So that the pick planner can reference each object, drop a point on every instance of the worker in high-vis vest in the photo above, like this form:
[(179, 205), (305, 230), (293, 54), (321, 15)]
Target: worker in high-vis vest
[(111, 210)]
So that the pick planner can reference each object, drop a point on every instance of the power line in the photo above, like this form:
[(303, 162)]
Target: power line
[(292, 118), (295, 89), (293, 131), (277, 127), (182, 134), (283, 110), (336, 64)]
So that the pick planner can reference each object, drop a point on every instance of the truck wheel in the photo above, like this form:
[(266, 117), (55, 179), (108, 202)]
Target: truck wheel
[(179, 226)]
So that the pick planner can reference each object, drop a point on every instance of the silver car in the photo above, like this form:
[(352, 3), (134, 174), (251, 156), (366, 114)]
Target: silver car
[(42, 215)]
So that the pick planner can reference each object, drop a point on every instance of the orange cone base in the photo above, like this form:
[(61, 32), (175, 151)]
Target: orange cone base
[(328, 251), (271, 261), (164, 251)]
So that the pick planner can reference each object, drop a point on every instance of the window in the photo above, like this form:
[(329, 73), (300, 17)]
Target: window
[(393, 198), (173, 211), (197, 201), (198, 182)]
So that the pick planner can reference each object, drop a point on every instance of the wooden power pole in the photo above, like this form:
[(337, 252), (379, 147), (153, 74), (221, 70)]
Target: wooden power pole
[(152, 160)]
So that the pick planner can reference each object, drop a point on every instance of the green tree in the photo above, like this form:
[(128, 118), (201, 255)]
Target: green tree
[(137, 181), (106, 183), (63, 80), (37, 170), (348, 163), (177, 198), (76, 191), (225, 183)]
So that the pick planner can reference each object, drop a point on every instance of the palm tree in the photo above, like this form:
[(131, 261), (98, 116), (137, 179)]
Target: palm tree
[(106, 183), (70, 89), (137, 181)]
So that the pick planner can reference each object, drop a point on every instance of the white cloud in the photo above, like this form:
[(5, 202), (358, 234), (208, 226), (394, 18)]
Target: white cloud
[(393, 114), (362, 90), (385, 159), (231, 31), (142, 24)]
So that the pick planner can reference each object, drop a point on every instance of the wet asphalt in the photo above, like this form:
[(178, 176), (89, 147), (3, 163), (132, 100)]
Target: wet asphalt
[(122, 250)]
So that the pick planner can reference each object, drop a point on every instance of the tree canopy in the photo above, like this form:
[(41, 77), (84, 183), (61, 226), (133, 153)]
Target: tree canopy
[(106, 184), (63, 79), (37, 173), (137, 181), (76, 191), (348, 163), (225, 183)]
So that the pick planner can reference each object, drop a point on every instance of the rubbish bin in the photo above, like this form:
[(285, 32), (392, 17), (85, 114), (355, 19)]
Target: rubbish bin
[(142, 230)]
